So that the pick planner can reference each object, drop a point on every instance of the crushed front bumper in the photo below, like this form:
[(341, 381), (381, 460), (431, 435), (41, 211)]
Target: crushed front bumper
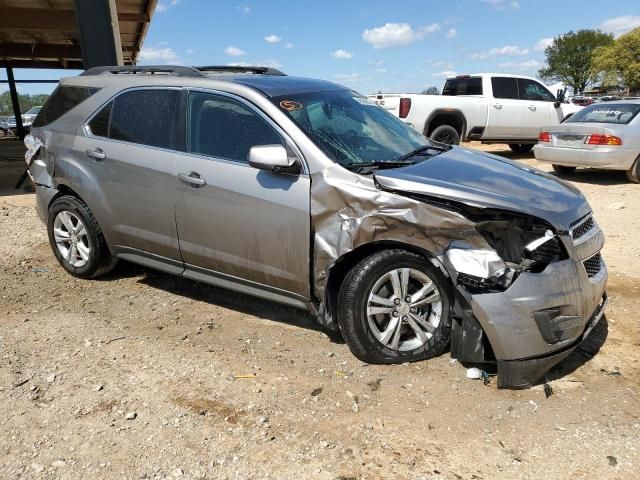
[(540, 318)]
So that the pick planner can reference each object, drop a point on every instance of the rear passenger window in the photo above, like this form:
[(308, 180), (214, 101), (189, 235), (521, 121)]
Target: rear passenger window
[(225, 128), (504, 87), (463, 86), (63, 99)]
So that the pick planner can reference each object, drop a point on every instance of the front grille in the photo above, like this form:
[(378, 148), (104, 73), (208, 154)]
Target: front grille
[(593, 265), (583, 228)]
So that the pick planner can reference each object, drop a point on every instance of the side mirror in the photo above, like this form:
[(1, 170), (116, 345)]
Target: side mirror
[(271, 157)]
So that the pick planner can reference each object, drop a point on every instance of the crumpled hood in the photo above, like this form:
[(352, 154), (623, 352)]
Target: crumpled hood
[(486, 180)]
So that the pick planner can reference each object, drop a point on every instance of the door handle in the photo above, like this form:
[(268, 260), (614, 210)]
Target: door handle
[(96, 154), (532, 107), (193, 179), (497, 105)]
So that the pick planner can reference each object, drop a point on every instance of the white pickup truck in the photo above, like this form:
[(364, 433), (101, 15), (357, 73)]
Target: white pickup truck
[(490, 107)]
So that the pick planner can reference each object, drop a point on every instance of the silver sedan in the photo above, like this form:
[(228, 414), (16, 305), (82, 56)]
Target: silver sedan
[(602, 135)]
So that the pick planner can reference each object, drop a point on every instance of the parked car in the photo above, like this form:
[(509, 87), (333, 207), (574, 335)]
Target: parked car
[(5, 128), (490, 107), (304, 192), (603, 135), (30, 115)]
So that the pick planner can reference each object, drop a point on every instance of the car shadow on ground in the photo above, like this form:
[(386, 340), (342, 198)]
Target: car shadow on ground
[(596, 177), (221, 297), (588, 349)]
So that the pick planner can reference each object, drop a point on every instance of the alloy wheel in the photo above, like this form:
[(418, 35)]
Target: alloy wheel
[(71, 239)]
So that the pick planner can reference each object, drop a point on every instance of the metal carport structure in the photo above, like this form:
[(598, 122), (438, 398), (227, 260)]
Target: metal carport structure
[(69, 34)]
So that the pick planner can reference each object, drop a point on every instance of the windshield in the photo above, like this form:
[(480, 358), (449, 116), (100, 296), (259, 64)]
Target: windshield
[(350, 129), (620, 113)]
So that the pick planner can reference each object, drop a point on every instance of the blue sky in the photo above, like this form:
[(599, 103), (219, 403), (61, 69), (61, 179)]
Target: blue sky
[(402, 45)]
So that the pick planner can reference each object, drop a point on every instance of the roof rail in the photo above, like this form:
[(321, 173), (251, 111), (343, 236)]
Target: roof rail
[(240, 69), (175, 70)]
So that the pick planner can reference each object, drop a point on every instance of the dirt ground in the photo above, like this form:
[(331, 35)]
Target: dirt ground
[(144, 375)]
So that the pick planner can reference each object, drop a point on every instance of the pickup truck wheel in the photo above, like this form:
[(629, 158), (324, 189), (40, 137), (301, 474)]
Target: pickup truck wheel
[(76, 239), (633, 174), (445, 134), (521, 148), (562, 169), (394, 307)]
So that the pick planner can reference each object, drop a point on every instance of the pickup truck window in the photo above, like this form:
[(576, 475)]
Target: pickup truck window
[(349, 128), (463, 86), (504, 87), (532, 90)]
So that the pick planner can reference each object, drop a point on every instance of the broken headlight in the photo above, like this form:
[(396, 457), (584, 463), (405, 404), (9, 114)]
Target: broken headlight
[(479, 270)]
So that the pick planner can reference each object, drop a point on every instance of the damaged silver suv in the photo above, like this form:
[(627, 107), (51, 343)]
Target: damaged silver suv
[(304, 192)]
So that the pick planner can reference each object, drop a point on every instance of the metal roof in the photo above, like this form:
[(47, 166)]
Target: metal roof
[(44, 33)]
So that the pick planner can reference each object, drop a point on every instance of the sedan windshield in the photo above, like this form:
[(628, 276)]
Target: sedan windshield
[(352, 130), (620, 113)]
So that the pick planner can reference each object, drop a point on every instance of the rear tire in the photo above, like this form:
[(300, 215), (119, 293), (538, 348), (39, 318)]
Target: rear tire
[(633, 174), (562, 169), (407, 329), (77, 240), (521, 148), (445, 134)]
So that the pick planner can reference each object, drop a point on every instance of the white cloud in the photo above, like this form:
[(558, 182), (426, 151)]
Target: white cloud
[(349, 77), (506, 51), (446, 73), (272, 38), (620, 25), (288, 45), (158, 55), (502, 4), (161, 7), (243, 9), (164, 6), (234, 51), (442, 64), (376, 63), (526, 65), (543, 43), (190, 51), (342, 54), (175, 2), (396, 34), (452, 33)]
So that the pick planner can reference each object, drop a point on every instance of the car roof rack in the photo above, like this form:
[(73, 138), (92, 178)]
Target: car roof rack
[(240, 69), (176, 70)]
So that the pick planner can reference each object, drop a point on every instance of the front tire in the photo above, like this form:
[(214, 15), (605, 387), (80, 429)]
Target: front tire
[(77, 240), (521, 148), (394, 307), (563, 170), (445, 134)]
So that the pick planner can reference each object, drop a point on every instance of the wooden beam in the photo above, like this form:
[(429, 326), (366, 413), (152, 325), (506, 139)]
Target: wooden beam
[(39, 63), (51, 19), (39, 50)]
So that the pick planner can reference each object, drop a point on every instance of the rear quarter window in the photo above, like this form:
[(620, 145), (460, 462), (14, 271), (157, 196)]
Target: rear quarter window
[(463, 86), (619, 113), (63, 99)]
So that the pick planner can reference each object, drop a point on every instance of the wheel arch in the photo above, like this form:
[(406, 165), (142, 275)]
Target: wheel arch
[(446, 116)]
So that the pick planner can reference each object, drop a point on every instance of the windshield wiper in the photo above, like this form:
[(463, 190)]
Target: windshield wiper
[(422, 151), (365, 168)]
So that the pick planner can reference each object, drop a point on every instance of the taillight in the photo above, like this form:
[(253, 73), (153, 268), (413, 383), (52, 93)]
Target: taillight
[(597, 139), (544, 137), (405, 106)]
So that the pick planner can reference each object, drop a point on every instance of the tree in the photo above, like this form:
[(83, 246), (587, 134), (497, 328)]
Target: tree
[(569, 58), (26, 102), (431, 91), (620, 62)]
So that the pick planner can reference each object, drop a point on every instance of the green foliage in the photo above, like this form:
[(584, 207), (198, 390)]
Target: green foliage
[(619, 63), (26, 102), (569, 58)]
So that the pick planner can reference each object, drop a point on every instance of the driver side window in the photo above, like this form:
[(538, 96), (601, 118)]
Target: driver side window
[(533, 91), (222, 127)]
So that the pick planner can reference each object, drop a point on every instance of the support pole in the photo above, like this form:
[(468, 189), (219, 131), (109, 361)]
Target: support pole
[(97, 22), (15, 102)]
